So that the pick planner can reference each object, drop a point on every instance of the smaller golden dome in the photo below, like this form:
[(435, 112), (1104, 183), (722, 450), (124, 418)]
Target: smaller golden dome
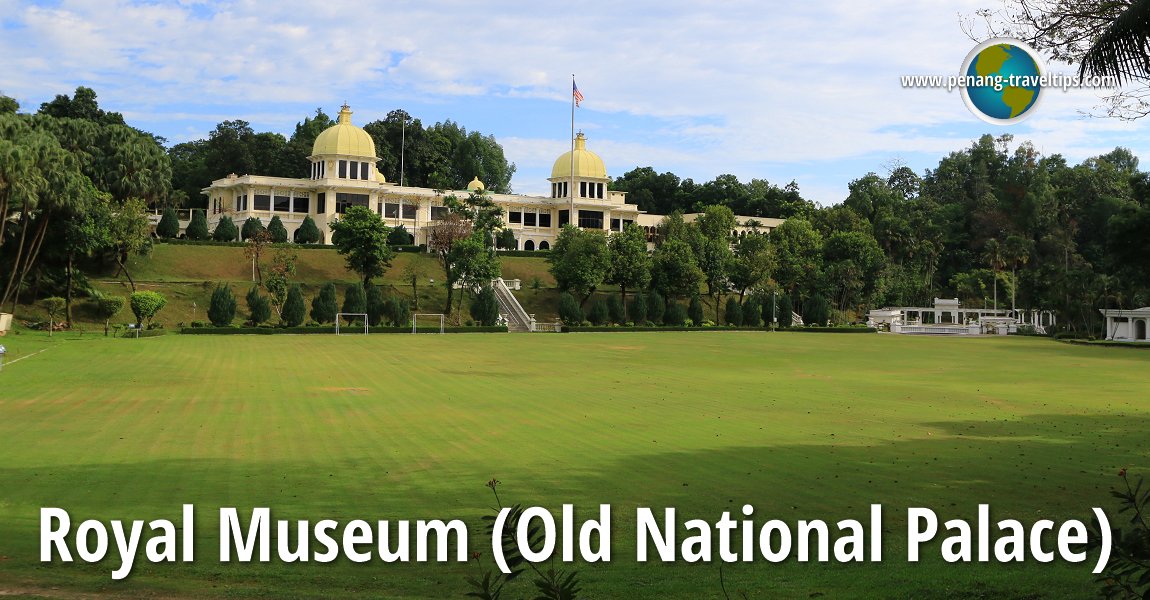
[(475, 185), (379, 177)]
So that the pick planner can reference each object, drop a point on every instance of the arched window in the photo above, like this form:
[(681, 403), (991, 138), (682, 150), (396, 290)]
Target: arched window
[(545, 246), (529, 245)]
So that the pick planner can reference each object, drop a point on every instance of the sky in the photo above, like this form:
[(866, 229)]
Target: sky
[(803, 91)]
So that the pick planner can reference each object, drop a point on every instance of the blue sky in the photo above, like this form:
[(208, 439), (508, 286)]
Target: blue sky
[(805, 91)]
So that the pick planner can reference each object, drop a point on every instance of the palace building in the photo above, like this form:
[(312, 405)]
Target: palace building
[(343, 174)]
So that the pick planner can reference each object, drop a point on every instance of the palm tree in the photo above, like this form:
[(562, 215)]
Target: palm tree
[(992, 252), (1122, 50)]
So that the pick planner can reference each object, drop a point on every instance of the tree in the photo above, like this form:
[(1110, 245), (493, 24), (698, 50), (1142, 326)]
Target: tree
[(277, 231), (361, 237), (254, 251), (225, 230), (399, 237), (695, 311), (354, 301), (713, 249), (294, 310), (995, 256), (400, 311), (580, 260), (279, 276), (169, 225), (108, 307), (375, 305), (752, 312), (637, 310), (54, 306), (259, 309), (307, 233), (753, 263), (598, 315), (786, 312), (817, 311), (615, 310), (656, 306), (733, 312), (198, 228), (222, 309), (128, 231), (446, 239), (484, 307), (798, 248), (569, 311), (145, 305), (252, 226), (675, 315), (323, 306), (630, 262), (412, 272), (506, 240), (674, 271)]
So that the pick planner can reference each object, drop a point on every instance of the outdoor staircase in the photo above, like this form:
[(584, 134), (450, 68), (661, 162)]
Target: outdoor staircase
[(518, 321), (796, 319)]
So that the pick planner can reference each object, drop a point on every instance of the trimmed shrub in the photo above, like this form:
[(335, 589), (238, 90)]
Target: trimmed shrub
[(108, 306), (768, 303), (145, 305), (225, 230), (656, 306), (169, 225), (252, 226), (752, 312), (400, 312), (615, 310), (675, 315), (376, 306), (323, 306), (695, 311), (484, 307), (354, 301), (817, 311), (294, 311), (637, 309), (786, 312), (259, 309), (569, 311), (277, 230), (198, 228), (400, 237), (307, 233), (599, 314), (222, 309), (733, 313)]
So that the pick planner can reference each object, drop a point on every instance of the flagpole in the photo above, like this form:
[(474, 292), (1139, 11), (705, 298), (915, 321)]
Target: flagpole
[(571, 185)]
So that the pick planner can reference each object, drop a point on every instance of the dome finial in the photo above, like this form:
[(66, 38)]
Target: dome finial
[(345, 114)]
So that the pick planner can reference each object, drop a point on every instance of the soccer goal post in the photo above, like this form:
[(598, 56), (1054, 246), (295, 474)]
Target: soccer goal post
[(415, 321), (341, 315)]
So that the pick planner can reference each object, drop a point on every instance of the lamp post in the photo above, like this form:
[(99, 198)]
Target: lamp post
[(3, 350)]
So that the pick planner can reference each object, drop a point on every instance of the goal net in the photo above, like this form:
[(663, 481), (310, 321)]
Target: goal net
[(354, 327), (426, 316)]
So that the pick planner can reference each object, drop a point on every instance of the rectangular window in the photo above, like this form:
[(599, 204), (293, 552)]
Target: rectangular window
[(514, 217), (391, 210), (263, 202), (545, 219), (320, 203), (354, 170), (564, 217), (343, 169), (379, 208), (299, 204), (615, 225), (282, 204), (363, 171), (582, 189), (438, 213), (600, 186), (591, 219), (529, 219), (409, 211), (345, 201)]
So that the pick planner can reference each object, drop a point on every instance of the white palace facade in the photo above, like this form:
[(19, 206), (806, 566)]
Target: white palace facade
[(344, 174)]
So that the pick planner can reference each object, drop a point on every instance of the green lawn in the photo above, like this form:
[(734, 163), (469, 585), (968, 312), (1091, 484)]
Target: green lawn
[(394, 427)]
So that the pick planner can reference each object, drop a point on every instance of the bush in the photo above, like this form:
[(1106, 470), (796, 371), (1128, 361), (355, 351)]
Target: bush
[(354, 301), (277, 230), (169, 226), (506, 240), (656, 305), (786, 313), (198, 228), (323, 306), (400, 237), (259, 309), (733, 313), (569, 311), (599, 314), (695, 310), (307, 233), (675, 315), (376, 306), (817, 311), (252, 226), (400, 313), (768, 303), (294, 310), (615, 310), (222, 309), (484, 307), (752, 312), (145, 305), (637, 309), (225, 230), (108, 306)]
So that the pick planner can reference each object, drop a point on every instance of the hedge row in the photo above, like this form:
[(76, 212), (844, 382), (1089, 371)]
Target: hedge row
[(528, 253), (595, 328), (1106, 343), (179, 242), (832, 329), (331, 329)]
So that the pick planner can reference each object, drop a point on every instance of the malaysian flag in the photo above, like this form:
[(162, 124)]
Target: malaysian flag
[(576, 93)]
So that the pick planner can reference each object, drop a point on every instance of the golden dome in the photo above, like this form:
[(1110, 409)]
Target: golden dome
[(587, 164), (345, 139), (475, 185)]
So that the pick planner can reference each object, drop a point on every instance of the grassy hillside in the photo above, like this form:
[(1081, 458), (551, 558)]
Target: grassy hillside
[(410, 427)]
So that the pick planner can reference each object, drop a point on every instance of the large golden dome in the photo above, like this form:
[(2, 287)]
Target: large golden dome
[(344, 139), (587, 164)]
